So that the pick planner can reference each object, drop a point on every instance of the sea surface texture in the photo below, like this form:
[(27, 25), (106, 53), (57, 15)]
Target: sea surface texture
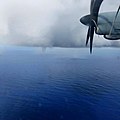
[(59, 83)]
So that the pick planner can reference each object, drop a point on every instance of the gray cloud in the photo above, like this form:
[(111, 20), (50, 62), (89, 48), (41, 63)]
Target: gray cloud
[(48, 23)]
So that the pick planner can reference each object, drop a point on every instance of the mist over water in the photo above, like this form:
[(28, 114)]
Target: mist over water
[(48, 23)]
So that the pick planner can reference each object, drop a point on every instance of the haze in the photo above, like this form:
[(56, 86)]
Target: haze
[(49, 23)]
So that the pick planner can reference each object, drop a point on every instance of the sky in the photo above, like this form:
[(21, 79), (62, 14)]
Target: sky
[(48, 23)]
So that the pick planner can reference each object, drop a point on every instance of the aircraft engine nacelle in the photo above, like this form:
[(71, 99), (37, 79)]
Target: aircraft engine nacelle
[(105, 29), (107, 26), (112, 37)]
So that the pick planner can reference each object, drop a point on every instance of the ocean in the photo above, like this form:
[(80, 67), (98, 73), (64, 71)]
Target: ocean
[(59, 83)]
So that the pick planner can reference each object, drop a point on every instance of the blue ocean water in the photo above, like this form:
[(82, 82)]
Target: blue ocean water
[(59, 84)]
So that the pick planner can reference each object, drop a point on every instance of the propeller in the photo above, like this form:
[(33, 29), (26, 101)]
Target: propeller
[(114, 20), (91, 21)]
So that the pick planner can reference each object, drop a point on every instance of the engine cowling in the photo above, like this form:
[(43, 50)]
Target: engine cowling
[(112, 37)]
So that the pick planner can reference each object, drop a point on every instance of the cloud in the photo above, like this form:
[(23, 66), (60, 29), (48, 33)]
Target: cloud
[(47, 23)]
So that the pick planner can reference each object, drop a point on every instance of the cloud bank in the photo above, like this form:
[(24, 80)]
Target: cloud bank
[(52, 23)]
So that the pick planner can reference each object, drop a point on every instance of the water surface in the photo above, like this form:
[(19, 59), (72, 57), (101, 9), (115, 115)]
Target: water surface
[(59, 84)]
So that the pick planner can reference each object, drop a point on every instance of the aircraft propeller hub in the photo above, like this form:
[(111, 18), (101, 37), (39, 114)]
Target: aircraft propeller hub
[(86, 20)]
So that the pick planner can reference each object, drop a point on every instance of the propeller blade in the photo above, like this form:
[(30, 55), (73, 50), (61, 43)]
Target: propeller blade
[(95, 6), (114, 20), (91, 20), (94, 10), (91, 5), (88, 36), (91, 38)]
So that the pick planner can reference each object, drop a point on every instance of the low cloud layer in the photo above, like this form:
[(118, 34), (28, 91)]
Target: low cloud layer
[(48, 23)]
